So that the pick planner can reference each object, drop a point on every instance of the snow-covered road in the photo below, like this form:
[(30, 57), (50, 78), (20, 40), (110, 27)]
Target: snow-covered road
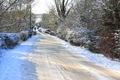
[(44, 58)]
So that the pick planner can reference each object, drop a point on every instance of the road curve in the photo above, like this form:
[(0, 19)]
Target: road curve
[(54, 62)]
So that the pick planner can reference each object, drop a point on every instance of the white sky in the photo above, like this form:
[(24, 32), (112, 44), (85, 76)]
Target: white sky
[(42, 6)]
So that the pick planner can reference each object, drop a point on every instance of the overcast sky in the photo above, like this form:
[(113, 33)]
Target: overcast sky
[(42, 6)]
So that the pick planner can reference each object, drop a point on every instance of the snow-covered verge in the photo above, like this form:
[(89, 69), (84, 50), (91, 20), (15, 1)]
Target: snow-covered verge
[(10, 40), (98, 59), (13, 64)]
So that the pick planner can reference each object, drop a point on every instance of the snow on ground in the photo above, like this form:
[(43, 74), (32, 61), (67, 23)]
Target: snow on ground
[(98, 59), (13, 62), (11, 70)]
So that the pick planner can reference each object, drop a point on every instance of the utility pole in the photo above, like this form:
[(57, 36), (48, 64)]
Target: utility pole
[(30, 18)]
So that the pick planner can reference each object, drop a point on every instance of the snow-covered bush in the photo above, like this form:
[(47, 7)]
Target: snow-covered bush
[(78, 36), (24, 35), (117, 43), (94, 44), (2, 44), (9, 39), (62, 31), (109, 42)]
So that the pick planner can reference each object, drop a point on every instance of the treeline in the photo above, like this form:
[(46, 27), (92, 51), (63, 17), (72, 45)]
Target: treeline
[(94, 24), (15, 22), (14, 15)]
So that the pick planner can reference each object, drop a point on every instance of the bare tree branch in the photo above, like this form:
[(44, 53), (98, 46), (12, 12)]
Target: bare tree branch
[(8, 25), (2, 2), (57, 7), (62, 8), (7, 8)]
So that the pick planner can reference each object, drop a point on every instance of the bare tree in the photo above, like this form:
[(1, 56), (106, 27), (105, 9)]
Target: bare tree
[(5, 9), (63, 8), (11, 14)]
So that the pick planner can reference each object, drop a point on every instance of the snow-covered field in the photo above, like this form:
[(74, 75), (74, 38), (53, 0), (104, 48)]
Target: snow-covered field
[(12, 62), (98, 59)]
